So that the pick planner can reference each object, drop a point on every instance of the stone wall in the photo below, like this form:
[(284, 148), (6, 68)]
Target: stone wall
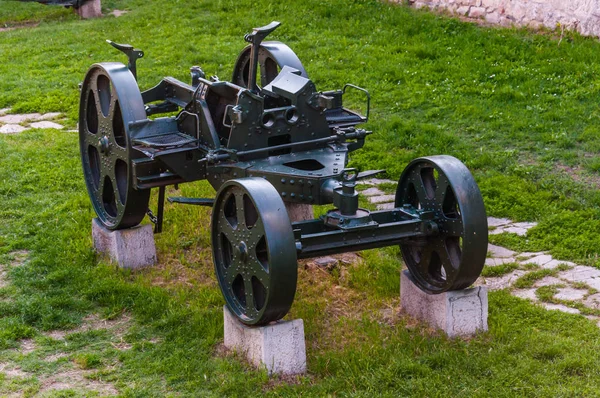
[(580, 15)]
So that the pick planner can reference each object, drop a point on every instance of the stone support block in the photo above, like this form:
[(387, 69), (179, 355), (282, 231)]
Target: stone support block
[(129, 248), (278, 347), (457, 313), (90, 9)]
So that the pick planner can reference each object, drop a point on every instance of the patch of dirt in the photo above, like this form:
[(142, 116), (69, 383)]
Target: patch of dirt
[(122, 346), (391, 314), (284, 380), (3, 277), (27, 346), (221, 351), (342, 307), (13, 372), (19, 257), (55, 357), (578, 174), (6, 28), (57, 334), (118, 13), (117, 326), (76, 380), (170, 271)]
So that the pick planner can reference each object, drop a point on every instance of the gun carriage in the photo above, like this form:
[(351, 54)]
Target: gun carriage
[(259, 146)]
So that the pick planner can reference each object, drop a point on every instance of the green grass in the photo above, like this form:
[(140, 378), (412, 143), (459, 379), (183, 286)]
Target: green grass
[(14, 13), (529, 279), (499, 270), (516, 107), (520, 110)]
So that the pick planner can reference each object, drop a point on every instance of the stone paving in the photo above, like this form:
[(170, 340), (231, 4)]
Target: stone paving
[(537, 277), (17, 123)]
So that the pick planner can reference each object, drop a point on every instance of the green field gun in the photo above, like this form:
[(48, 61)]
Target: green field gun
[(266, 137)]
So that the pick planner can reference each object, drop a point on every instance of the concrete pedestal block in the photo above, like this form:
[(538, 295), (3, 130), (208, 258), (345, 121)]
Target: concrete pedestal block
[(90, 9), (278, 347), (129, 248), (457, 313), (299, 211)]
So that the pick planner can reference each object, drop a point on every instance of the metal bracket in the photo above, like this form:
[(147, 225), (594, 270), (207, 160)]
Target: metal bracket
[(369, 173), (235, 115), (133, 54), (364, 91), (255, 38), (157, 219), (192, 201)]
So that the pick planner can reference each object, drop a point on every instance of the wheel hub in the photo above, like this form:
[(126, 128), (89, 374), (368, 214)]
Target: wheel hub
[(104, 145), (242, 251)]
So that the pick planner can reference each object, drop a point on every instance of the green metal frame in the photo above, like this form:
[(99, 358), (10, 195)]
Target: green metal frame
[(267, 137)]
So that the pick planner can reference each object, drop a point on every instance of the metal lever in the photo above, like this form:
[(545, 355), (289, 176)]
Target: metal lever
[(192, 201), (369, 173), (255, 38), (133, 54)]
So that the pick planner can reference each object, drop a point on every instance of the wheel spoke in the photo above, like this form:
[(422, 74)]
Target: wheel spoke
[(425, 259), (94, 87), (118, 151), (232, 272), (420, 187), (257, 270), (91, 139), (120, 206), (452, 227), (441, 189), (238, 210), (447, 263), (100, 190), (112, 108), (249, 290), (226, 228), (256, 234)]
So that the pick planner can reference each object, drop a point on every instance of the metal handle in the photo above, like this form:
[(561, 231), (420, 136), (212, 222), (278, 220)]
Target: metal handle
[(364, 91), (255, 38), (133, 54)]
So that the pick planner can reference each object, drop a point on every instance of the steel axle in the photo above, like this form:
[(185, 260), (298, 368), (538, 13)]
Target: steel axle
[(387, 227)]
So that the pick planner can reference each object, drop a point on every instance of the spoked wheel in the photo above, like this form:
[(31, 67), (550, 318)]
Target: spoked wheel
[(272, 56), (452, 259), (254, 251), (110, 100)]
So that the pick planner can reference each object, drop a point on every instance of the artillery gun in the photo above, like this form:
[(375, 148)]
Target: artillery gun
[(259, 146)]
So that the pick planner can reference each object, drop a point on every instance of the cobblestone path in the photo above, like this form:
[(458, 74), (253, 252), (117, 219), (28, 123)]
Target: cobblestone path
[(15, 123)]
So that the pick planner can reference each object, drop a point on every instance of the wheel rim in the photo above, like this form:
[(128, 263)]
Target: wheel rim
[(110, 100), (452, 259), (254, 251), (272, 56)]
